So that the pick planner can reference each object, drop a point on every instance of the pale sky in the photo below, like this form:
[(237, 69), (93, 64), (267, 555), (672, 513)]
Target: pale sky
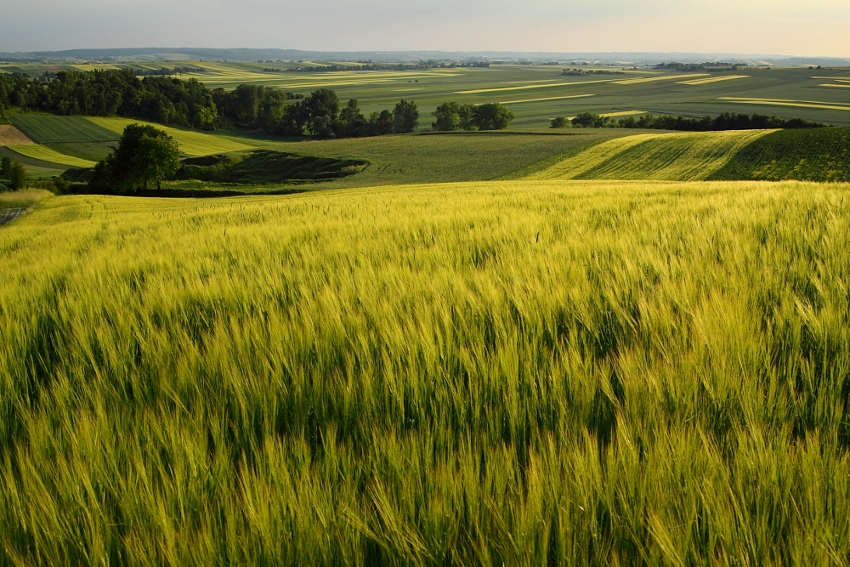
[(783, 27)]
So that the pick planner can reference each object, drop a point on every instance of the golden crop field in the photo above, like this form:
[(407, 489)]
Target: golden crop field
[(492, 373), (711, 80), (565, 97), (191, 143), (43, 153)]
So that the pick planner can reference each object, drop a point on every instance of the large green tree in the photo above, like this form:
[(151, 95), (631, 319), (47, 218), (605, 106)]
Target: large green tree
[(492, 116), (18, 175), (144, 155), (446, 117), (405, 117)]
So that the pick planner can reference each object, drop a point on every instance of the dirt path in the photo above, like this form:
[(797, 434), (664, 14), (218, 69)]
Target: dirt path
[(8, 215)]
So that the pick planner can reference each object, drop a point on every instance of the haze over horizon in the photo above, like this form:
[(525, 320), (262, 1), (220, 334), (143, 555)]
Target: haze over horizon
[(818, 28)]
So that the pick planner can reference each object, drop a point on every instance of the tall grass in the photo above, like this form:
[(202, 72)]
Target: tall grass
[(504, 373)]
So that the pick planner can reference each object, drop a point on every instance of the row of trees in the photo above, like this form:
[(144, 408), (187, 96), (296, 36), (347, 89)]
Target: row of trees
[(321, 116), (190, 103), (13, 173), (725, 121), (109, 93), (451, 116)]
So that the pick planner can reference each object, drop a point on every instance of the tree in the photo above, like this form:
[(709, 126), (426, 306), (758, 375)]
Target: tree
[(351, 122), (446, 117), (6, 167), (144, 155), (322, 102), (18, 175), (405, 117), (380, 123), (561, 122), (492, 116), (466, 117)]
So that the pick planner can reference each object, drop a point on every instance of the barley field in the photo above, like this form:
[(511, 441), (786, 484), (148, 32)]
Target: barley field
[(492, 373)]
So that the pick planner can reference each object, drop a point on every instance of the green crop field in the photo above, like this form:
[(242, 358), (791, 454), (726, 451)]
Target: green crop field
[(545, 93), (36, 168), (46, 129), (811, 155), (191, 143), (664, 156), (517, 373), (538, 93), (43, 153)]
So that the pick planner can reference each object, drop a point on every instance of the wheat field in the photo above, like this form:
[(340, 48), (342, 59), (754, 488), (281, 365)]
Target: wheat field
[(493, 373)]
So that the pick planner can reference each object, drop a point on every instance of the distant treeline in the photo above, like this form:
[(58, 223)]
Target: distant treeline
[(320, 115), (166, 72), (119, 92), (190, 103), (725, 121), (380, 67), (707, 66), (582, 72)]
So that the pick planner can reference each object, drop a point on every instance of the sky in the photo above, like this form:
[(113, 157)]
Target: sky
[(779, 27)]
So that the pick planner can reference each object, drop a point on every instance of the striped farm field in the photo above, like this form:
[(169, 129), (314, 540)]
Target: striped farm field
[(43, 153), (639, 80), (46, 129), (191, 143), (790, 103), (528, 87), (575, 165), (710, 80), (565, 97), (676, 156)]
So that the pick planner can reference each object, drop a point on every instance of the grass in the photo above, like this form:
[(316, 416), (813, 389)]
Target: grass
[(46, 129), (90, 151), (191, 143), (43, 153), (441, 158), (814, 155), (519, 373), (267, 167), (36, 168), (23, 198)]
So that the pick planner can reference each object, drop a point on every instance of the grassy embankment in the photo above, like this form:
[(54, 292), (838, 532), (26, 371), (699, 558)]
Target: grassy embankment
[(495, 373)]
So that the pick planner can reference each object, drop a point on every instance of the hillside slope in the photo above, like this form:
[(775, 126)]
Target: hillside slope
[(676, 156), (809, 155)]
